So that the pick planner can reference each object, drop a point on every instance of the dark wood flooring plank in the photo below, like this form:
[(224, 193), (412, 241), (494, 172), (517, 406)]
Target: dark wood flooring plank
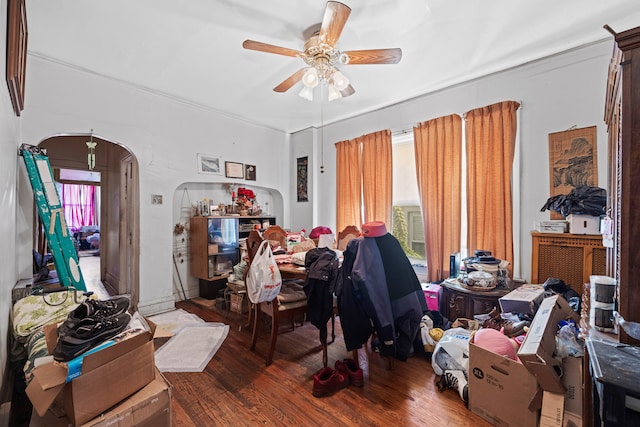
[(237, 389)]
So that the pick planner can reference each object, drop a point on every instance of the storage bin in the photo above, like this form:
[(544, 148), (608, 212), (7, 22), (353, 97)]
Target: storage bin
[(432, 293)]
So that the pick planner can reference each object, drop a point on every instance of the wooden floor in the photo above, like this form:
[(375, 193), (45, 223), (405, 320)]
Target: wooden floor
[(237, 389)]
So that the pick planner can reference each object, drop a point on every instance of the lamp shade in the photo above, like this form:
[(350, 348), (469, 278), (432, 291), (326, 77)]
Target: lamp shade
[(333, 93), (306, 93), (310, 77), (340, 81)]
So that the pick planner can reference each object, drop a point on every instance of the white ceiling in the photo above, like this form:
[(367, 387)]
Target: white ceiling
[(192, 49)]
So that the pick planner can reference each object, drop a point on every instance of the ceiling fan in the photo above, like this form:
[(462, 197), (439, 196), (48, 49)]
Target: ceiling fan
[(322, 56)]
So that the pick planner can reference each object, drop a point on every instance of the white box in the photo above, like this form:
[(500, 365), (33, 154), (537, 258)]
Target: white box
[(584, 224), (551, 226)]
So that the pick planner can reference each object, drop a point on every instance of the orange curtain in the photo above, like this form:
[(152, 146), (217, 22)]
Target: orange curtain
[(377, 176), (364, 179), (348, 184), (490, 144), (438, 151)]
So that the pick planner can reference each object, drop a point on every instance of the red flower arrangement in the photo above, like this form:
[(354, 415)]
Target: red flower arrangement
[(245, 192), (245, 198)]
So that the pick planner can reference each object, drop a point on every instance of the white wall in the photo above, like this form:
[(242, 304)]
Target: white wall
[(165, 136), (12, 226), (556, 93)]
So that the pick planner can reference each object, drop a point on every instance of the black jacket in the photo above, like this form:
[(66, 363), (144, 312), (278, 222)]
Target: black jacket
[(379, 290), (322, 271)]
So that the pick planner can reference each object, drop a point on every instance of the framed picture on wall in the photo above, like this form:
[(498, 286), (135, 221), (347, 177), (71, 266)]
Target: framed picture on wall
[(250, 172), (16, 53), (234, 170), (209, 164), (301, 178), (573, 161)]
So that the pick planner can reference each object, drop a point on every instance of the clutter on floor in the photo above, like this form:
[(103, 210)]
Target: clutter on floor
[(71, 342)]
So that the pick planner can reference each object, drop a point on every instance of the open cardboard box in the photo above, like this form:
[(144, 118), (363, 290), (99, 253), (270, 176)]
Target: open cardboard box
[(149, 407), (523, 300), (537, 350), (108, 376), (501, 390)]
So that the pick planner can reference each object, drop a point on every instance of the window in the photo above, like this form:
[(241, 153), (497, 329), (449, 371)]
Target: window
[(407, 224)]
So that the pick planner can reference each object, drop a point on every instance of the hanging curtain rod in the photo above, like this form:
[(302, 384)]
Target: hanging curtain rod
[(410, 130)]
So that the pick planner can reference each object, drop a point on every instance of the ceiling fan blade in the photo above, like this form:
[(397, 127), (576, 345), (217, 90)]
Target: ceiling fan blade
[(374, 56), (269, 48), (290, 81), (335, 16), (348, 91)]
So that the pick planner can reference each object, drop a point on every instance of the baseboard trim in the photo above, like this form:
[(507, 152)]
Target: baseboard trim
[(161, 305)]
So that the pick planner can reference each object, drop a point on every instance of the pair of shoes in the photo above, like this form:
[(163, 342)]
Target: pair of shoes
[(454, 380), (94, 308), (509, 327), (87, 333), (350, 369), (327, 381)]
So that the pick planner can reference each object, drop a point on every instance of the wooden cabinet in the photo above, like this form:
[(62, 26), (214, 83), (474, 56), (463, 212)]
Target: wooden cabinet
[(570, 257), (460, 302), (213, 246), (622, 116)]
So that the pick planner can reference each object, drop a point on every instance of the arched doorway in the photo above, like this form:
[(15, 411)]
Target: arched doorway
[(119, 206)]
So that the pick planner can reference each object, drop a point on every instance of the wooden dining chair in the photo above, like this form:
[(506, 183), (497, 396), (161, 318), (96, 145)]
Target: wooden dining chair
[(290, 304), (349, 232), (276, 233)]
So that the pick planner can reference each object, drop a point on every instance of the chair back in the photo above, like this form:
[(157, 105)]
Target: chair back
[(344, 236), (275, 232), (254, 239)]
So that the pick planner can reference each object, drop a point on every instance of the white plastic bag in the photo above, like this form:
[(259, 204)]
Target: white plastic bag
[(452, 351), (263, 278)]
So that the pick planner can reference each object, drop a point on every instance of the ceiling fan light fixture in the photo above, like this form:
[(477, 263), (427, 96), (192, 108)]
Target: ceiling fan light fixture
[(310, 78), (306, 93), (334, 93), (339, 80)]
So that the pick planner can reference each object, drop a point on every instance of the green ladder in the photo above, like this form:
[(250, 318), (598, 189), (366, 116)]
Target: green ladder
[(50, 209)]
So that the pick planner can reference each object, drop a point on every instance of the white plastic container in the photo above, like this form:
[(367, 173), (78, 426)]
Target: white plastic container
[(583, 224), (602, 303)]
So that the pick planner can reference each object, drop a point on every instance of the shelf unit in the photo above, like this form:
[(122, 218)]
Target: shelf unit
[(248, 223), (213, 246)]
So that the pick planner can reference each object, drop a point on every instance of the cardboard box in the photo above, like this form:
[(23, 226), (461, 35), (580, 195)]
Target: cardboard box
[(501, 390), (565, 410), (537, 350), (432, 293), (583, 224), (108, 376), (525, 300), (572, 375), (552, 412), (212, 249), (149, 407)]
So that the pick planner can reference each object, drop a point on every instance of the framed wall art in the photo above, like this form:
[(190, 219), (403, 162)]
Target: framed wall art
[(301, 178), (573, 161), (209, 164), (234, 170), (16, 52), (250, 172)]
